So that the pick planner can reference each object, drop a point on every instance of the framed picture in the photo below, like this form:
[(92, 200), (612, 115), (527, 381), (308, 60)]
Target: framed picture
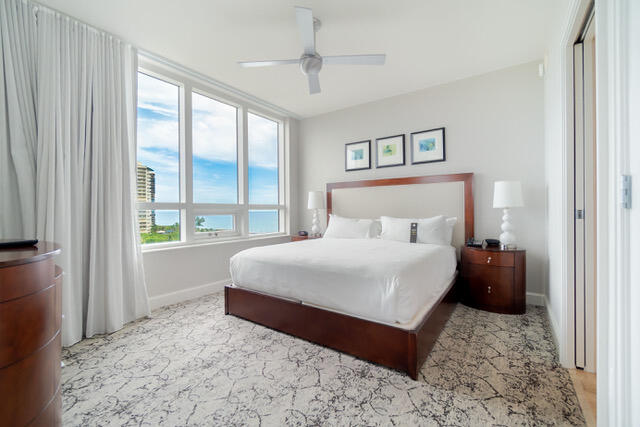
[(357, 156), (427, 146), (390, 151)]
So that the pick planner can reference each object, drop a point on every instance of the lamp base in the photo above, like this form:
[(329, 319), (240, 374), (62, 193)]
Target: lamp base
[(507, 238), (315, 227)]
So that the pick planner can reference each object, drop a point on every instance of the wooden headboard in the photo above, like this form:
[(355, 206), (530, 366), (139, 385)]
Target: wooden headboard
[(422, 200)]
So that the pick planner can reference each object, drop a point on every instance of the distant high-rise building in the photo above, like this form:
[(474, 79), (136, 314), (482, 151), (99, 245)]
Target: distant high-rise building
[(146, 193)]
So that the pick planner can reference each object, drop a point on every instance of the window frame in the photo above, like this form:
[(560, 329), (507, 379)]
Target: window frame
[(188, 210)]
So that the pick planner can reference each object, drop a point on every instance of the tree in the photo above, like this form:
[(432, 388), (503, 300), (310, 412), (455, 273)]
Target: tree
[(199, 221)]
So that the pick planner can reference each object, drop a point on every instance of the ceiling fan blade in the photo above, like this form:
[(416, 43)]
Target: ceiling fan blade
[(250, 64), (314, 83), (354, 60), (304, 17)]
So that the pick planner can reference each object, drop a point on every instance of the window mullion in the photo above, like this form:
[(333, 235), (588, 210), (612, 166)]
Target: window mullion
[(283, 166), (186, 117), (243, 171)]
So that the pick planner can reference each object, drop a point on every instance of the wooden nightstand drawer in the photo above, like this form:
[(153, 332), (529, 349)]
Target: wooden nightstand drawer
[(501, 259), (296, 238), (489, 287), (494, 279)]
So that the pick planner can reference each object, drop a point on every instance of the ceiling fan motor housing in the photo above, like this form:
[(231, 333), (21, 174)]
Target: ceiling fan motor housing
[(310, 64)]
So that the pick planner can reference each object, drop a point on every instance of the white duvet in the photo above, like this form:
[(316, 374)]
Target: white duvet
[(381, 280)]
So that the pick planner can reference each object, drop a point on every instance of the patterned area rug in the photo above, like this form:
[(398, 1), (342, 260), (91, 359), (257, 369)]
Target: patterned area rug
[(189, 364)]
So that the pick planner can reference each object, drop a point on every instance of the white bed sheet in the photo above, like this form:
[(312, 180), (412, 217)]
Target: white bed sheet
[(380, 280)]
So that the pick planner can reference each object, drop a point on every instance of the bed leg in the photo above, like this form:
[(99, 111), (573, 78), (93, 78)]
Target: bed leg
[(412, 356), (226, 300)]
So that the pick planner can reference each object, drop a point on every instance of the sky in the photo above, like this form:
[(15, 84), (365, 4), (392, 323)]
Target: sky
[(214, 148)]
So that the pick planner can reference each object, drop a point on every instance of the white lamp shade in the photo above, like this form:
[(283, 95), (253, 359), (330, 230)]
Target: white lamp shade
[(316, 200), (507, 194)]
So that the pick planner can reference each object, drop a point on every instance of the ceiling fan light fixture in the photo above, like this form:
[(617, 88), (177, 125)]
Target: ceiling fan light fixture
[(310, 64)]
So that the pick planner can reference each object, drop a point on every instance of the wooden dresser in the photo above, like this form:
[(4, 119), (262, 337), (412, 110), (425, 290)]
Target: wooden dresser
[(30, 342), (494, 279)]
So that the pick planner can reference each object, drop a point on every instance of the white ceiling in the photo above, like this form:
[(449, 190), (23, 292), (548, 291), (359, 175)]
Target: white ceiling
[(427, 42)]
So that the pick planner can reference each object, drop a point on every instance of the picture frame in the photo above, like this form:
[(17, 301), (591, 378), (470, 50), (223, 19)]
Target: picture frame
[(357, 155), (390, 151), (428, 146)]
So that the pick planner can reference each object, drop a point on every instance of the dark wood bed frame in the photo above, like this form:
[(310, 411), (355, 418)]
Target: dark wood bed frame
[(397, 348)]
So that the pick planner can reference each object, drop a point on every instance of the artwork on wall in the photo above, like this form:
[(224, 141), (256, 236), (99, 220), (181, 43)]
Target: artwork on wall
[(390, 151), (427, 146), (357, 156)]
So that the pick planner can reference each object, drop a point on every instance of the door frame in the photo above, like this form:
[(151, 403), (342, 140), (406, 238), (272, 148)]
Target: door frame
[(618, 94), (618, 90)]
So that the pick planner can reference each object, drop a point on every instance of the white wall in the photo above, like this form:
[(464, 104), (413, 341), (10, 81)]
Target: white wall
[(494, 128), (181, 273), (554, 165)]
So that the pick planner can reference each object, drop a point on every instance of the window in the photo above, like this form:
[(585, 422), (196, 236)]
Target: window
[(158, 140), (214, 225), (215, 151), (158, 226), (263, 160), (193, 181), (263, 221)]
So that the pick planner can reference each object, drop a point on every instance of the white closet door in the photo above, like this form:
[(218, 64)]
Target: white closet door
[(590, 243), (585, 201), (579, 231)]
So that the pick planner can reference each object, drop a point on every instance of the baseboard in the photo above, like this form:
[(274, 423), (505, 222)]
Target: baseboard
[(555, 330), (186, 294), (535, 299)]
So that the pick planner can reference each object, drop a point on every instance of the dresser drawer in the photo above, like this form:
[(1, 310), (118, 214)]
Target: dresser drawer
[(26, 324), (501, 259), (20, 280)]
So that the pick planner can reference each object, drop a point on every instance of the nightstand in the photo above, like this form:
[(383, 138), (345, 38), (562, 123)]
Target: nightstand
[(299, 238), (493, 279)]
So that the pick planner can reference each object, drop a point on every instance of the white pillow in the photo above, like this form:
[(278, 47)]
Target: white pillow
[(347, 228), (451, 222), (376, 229), (430, 230)]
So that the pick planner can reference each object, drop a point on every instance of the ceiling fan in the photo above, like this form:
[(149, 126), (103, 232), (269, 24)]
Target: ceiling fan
[(311, 62)]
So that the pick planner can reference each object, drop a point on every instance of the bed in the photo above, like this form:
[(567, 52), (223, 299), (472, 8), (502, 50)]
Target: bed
[(383, 301)]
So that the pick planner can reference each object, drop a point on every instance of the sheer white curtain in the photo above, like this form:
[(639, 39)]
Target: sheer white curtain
[(17, 120), (85, 171)]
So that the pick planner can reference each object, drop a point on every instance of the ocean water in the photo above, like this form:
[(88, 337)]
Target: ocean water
[(259, 221)]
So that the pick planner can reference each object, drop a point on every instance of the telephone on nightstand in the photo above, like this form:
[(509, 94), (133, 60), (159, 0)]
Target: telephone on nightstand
[(473, 243), (490, 243)]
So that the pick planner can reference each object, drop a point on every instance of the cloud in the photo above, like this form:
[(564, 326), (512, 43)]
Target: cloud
[(207, 191), (152, 110), (159, 134), (161, 161), (264, 194), (155, 91), (214, 129), (263, 142)]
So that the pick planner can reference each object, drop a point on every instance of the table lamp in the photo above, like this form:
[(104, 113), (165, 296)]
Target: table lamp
[(316, 202), (507, 195)]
